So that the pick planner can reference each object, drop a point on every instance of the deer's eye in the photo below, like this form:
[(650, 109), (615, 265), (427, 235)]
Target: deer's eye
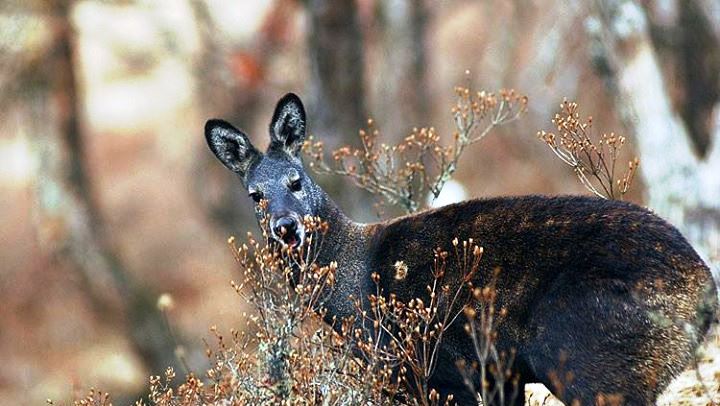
[(256, 196), (296, 185)]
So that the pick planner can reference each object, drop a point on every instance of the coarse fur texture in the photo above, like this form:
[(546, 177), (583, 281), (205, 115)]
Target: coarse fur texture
[(603, 289)]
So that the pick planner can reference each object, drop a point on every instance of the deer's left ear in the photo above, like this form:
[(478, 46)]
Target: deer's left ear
[(231, 146), (287, 128)]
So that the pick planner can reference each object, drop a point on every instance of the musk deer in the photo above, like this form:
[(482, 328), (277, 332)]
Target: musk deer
[(602, 289)]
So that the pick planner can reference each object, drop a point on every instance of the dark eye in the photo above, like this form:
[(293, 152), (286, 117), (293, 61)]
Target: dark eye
[(296, 185), (256, 196)]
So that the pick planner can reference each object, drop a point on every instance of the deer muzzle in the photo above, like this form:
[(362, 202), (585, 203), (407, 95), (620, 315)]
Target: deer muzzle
[(288, 230)]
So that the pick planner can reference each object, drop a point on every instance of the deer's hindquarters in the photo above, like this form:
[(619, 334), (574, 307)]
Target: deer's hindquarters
[(601, 298), (613, 341)]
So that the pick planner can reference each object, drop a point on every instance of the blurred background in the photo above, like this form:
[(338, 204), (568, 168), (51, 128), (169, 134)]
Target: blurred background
[(110, 197)]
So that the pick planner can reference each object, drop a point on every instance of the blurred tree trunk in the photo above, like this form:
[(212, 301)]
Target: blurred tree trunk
[(216, 189), (68, 219), (336, 90), (681, 186), (336, 102), (403, 87), (230, 85)]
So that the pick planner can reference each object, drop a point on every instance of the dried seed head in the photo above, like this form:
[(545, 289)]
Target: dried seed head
[(165, 302)]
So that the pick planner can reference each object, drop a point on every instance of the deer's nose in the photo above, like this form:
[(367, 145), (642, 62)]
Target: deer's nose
[(285, 227)]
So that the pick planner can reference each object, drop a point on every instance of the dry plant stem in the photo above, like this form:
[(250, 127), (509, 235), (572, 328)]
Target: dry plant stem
[(404, 174), (408, 336), (179, 348), (594, 163), (466, 121), (286, 287), (493, 367), (703, 385), (94, 397)]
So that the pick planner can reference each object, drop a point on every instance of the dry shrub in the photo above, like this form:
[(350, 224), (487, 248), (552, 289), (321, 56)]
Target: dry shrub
[(404, 339), (93, 397), (292, 358), (386, 355), (491, 364), (404, 174), (594, 162)]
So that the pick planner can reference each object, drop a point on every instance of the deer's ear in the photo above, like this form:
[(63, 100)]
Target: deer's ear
[(287, 128), (231, 146)]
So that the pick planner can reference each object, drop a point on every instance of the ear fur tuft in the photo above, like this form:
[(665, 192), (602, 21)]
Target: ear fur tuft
[(287, 127), (231, 146)]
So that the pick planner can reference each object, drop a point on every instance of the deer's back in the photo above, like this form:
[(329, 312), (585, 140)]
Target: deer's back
[(542, 243)]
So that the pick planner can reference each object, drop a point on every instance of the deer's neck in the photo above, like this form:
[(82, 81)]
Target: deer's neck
[(347, 243)]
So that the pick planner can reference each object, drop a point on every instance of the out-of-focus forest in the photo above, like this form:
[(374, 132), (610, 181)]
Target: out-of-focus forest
[(111, 198)]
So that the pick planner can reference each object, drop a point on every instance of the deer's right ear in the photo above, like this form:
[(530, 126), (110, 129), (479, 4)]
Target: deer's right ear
[(287, 127), (231, 146)]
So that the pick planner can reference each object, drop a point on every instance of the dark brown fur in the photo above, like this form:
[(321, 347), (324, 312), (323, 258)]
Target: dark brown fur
[(581, 277)]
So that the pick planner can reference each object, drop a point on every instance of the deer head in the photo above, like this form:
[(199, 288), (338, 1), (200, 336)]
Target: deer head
[(277, 175)]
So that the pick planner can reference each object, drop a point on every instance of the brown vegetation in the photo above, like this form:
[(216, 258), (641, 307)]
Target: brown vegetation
[(403, 174), (593, 161)]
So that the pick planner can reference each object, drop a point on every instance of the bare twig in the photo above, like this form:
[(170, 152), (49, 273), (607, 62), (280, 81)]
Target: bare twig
[(594, 162), (405, 173)]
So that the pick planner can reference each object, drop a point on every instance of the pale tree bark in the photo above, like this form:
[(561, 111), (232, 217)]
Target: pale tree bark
[(689, 53), (681, 187), (68, 220), (711, 8)]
